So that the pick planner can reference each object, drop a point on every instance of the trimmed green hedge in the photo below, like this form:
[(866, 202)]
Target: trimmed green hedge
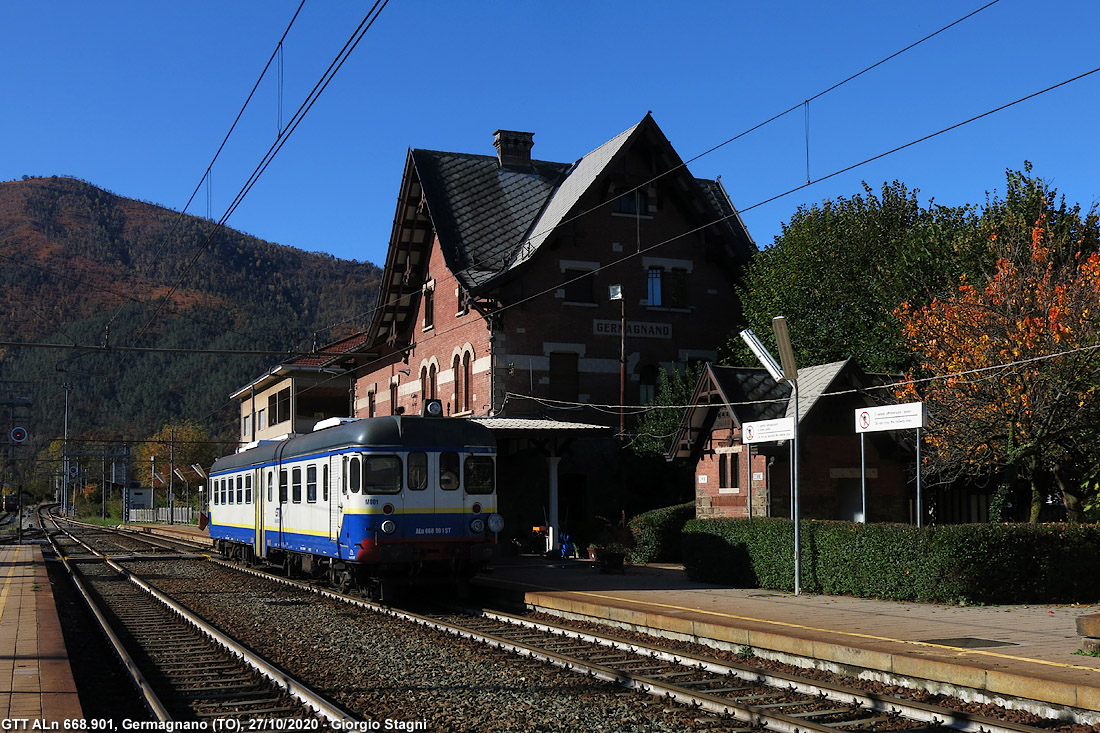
[(969, 563), (657, 533)]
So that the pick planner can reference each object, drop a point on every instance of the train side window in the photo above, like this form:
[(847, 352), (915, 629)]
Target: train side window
[(324, 483), (240, 489), (296, 485), (231, 492), (354, 475), (214, 490), (248, 489), (221, 490), (479, 474), (448, 471), (418, 471), (382, 474), (282, 486), (311, 484), (270, 486)]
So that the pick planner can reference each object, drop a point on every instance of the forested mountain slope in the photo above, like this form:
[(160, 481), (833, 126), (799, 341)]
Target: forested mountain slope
[(80, 265)]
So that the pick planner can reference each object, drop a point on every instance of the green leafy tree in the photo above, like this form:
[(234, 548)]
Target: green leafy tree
[(1012, 374), (839, 269), (657, 426)]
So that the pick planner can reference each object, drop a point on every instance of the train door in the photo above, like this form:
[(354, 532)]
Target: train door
[(257, 498), (282, 480), (331, 481)]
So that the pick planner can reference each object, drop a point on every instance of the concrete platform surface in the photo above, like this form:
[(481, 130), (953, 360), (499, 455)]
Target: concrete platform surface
[(36, 681), (1016, 651)]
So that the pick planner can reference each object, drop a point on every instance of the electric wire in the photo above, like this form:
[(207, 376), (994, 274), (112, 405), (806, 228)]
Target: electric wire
[(793, 108), (708, 151), (296, 119), (785, 193), (650, 248), (502, 309), (228, 134)]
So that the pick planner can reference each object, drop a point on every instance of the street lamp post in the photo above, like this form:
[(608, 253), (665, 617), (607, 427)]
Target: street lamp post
[(785, 372), (615, 292)]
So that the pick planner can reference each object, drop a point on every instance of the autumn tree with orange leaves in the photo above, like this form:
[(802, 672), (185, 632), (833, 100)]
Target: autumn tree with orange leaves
[(1009, 368)]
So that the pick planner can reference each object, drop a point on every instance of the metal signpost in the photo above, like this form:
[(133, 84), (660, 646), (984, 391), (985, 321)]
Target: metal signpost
[(767, 431), (906, 416)]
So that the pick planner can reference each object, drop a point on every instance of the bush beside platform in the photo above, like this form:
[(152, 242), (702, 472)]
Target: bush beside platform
[(971, 563), (657, 533)]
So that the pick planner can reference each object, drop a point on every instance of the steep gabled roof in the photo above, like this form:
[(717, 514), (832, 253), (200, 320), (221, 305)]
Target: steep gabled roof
[(581, 176), (480, 209), (490, 219), (750, 394)]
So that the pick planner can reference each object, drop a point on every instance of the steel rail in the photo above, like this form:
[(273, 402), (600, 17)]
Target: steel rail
[(302, 692), (152, 701), (912, 709), (753, 715)]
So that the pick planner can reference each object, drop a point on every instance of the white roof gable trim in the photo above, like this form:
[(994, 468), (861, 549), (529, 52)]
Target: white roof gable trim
[(576, 183)]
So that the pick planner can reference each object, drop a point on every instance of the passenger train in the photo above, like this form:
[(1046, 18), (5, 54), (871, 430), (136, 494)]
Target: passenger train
[(372, 502)]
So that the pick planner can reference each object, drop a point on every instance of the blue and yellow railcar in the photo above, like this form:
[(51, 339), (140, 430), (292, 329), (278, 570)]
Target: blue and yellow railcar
[(370, 502)]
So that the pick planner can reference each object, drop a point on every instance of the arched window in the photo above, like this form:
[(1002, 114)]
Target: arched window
[(466, 381), (423, 383), (456, 368), (432, 381)]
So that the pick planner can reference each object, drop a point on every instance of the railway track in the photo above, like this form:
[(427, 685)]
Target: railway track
[(720, 695), (740, 693), (773, 700), (184, 669)]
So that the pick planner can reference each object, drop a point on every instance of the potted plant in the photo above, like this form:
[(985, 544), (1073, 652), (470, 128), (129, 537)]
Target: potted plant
[(614, 540)]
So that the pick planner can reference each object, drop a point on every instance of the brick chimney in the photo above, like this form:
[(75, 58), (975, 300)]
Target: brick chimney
[(513, 148)]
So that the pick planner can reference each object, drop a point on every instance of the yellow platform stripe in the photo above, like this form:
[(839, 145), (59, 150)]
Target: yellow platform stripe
[(786, 624), (7, 582)]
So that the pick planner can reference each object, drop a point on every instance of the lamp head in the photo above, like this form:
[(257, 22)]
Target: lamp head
[(762, 354)]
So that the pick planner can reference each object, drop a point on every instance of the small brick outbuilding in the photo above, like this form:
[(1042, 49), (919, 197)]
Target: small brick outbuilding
[(733, 479)]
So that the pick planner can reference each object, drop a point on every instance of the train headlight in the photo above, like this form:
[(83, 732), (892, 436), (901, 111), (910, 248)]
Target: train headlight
[(496, 523), (389, 526), (477, 526), (476, 507)]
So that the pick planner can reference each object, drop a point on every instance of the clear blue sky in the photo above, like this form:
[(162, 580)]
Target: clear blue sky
[(136, 97)]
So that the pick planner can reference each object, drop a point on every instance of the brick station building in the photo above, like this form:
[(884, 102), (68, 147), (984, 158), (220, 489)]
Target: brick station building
[(495, 300)]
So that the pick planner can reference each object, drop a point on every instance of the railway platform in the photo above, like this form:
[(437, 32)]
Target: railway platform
[(184, 531), (1025, 652), (36, 681)]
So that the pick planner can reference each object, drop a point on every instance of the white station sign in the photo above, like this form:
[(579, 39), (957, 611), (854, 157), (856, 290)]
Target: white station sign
[(767, 431), (890, 417)]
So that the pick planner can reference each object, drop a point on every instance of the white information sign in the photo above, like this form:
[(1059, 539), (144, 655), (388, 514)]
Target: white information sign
[(890, 417), (767, 431)]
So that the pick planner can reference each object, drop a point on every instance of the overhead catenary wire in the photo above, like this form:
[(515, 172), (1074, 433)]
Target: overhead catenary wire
[(634, 191), (688, 233), (307, 104), (276, 54), (803, 104), (788, 192), (206, 178), (721, 219)]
